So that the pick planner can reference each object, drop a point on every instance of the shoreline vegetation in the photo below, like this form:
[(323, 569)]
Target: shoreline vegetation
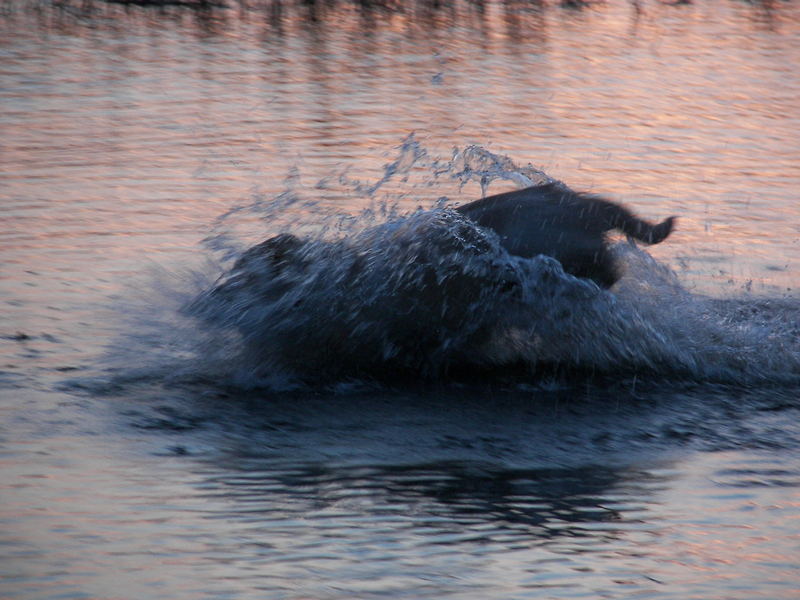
[(420, 11)]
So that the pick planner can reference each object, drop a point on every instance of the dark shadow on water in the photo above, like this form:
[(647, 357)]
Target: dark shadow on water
[(451, 466), (445, 498), (488, 465)]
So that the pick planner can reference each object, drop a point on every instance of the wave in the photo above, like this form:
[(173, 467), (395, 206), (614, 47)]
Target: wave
[(431, 294), (427, 294)]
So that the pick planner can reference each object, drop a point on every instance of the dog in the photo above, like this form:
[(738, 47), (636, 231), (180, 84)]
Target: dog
[(549, 219), (422, 294), (553, 220)]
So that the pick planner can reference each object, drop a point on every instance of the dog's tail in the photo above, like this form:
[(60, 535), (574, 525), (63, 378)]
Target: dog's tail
[(624, 220), (647, 232)]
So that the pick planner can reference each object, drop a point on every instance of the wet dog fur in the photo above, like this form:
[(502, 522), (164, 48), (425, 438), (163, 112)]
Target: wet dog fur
[(553, 220), (549, 219)]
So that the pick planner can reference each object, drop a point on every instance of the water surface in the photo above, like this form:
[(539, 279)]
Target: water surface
[(142, 149)]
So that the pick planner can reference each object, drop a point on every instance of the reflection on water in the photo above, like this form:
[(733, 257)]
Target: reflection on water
[(364, 496), (113, 124), (130, 133), (439, 526)]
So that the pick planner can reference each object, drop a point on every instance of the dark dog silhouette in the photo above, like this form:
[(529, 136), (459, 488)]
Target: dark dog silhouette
[(425, 294), (571, 227), (549, 219)]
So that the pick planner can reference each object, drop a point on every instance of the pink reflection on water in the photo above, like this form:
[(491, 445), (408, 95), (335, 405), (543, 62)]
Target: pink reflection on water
[(675, 110)]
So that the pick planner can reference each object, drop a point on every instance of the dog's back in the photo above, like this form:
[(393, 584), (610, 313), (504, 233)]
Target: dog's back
[(553, 220)]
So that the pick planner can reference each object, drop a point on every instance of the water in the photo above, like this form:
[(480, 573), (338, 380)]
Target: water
[(553, 440)]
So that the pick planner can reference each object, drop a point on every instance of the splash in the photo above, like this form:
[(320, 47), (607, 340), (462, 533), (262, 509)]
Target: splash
[(424, 293)]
